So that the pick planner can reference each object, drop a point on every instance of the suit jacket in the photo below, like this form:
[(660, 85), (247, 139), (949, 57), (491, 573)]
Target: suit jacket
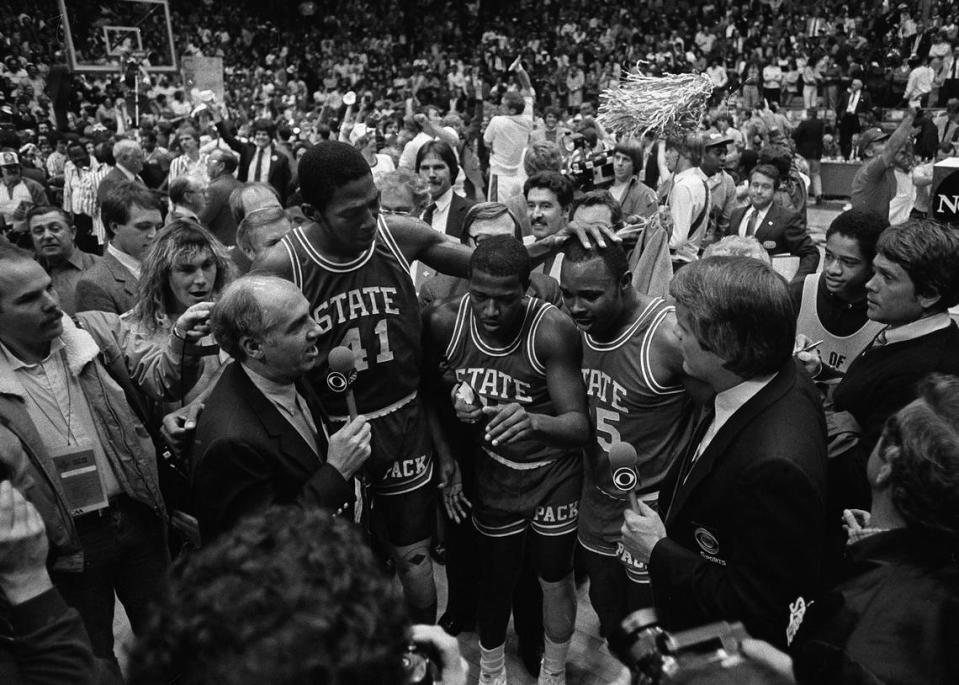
[(110, 181), (216, 214), (107, 286), (808, 136), (863, 106), (454, 218), (279, 175), (782, 232), (745, 532), (250, 457)]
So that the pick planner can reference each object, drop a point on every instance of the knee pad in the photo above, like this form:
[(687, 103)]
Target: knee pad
[(415, 570)]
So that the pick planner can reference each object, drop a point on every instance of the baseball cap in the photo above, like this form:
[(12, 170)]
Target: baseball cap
[(716, 139), (870, 136), (9, 158)]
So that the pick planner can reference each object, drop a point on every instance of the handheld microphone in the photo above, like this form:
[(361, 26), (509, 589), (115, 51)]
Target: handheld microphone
[(341, 376), (622, 465)]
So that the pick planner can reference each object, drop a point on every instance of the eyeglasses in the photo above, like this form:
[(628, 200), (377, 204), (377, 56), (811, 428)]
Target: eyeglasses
[(396, 212)]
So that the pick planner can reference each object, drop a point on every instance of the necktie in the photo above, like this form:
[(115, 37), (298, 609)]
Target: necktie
[(881, 338), (257, 176), (751, 223), (428, 214), (955, 68)]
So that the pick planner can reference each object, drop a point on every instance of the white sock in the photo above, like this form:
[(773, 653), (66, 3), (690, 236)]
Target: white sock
[(554, 655), (493, 660)]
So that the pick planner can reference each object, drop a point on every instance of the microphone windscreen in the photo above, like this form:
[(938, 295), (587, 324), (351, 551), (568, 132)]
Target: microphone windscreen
[(622, 454), (341, 359)]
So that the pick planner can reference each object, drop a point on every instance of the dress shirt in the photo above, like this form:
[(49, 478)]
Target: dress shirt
[(760, 217), (916, 329), (264, 159), (442, 211), (853, 102), (289, 403), (56, 405), (129, 263), (727, 403)]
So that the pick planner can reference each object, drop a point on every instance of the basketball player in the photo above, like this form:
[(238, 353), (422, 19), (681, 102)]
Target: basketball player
[(353, 265), (517, 360), (633, 370), (832, 304)]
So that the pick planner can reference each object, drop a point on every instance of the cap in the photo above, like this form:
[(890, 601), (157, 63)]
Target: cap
[(9, 158), (870, 136), (713, 139)]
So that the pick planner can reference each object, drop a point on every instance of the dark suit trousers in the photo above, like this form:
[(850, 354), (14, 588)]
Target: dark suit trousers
[(848, 125)]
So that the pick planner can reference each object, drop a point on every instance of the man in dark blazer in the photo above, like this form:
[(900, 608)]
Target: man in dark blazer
[(743, 508), (260, 440), (131, 217), (779, 230), (852, 103), (260, 160), (216, 215), (128, 163)]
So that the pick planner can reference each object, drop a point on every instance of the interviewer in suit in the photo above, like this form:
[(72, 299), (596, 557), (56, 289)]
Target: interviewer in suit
[(744, 504), (779, 230), (260, 439)]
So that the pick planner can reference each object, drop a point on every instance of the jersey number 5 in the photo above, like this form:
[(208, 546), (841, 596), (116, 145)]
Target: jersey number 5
[(353, 341), (606, 433)]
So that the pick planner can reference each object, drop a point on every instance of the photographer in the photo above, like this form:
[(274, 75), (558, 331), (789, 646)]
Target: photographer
[(895, 616), (288, 596)]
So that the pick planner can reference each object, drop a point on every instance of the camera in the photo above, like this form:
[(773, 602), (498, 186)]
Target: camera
[(588, 170), (417, 667), (656, 656)]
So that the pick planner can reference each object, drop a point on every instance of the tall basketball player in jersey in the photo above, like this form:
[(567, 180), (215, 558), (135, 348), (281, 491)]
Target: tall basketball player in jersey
[(517, 363), (633, 370), (832, 304), (353, 265)]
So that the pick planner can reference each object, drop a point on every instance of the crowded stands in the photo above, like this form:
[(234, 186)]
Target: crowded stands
[(385, 342)]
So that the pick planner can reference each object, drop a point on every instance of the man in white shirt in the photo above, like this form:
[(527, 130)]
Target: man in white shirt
[(508, 135), (919, 84), (689, 199), (739, 533), (131, 216)]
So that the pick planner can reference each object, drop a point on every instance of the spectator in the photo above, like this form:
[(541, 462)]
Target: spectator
[(108, 536), (507, 135), (689, 200), (283, 558), (188, 197), (54, 245), (260, 230), (892, 617), (192, 162), (883, 182), (780, 230), (17, 195), (852, 105), (132, 218), (215, 214), (915, 282), (128, 162), (259, 161), (809, 145), (635, 198)]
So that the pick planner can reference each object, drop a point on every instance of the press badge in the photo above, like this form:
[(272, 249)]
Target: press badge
[(80, 478)]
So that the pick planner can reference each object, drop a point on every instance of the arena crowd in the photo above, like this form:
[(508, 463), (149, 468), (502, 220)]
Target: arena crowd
[(403, 302)]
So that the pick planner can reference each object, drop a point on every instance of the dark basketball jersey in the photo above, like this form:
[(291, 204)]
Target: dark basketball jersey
[(369, 306), (500, 375), (627, 404)]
